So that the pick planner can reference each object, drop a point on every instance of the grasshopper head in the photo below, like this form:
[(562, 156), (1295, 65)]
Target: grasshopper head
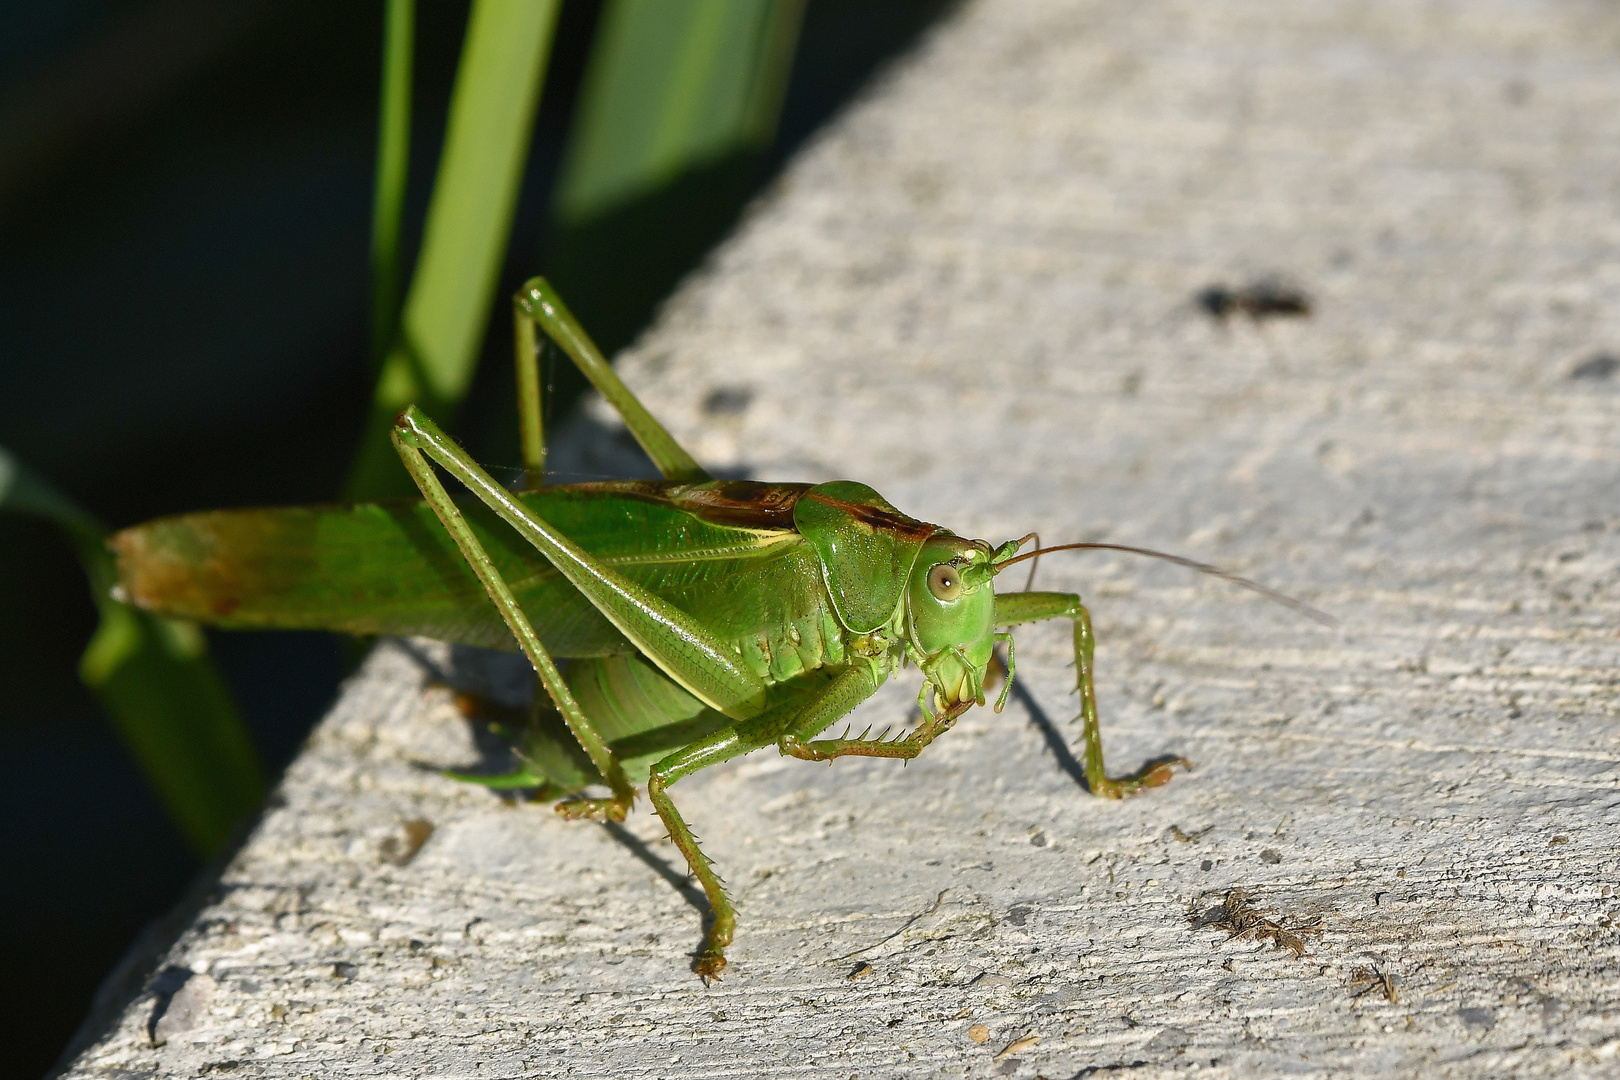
[(950, 617)]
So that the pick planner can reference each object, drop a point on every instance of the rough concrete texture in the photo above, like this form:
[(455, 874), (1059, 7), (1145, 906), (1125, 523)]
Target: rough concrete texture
[(976, 293)]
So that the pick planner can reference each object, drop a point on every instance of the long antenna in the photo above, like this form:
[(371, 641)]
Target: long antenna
[(1204, 568)]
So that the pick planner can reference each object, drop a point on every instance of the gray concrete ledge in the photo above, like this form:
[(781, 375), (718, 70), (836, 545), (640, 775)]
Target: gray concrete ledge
[(975, 292)]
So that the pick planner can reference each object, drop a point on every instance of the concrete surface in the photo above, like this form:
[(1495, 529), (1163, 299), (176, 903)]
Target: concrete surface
[(976, 293)]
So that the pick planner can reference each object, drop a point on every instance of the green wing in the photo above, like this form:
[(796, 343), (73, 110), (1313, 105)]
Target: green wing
[(390, 568)]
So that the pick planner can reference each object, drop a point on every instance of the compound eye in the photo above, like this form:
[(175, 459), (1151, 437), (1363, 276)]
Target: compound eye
[(945, 583)]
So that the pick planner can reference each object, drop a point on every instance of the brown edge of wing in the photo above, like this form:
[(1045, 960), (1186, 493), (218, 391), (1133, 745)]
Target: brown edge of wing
[(747, 504)]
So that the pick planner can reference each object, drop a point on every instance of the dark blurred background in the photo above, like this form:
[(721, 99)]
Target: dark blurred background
[(185, 195)]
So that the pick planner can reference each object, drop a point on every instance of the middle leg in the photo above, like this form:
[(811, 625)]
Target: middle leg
[(832, 701)]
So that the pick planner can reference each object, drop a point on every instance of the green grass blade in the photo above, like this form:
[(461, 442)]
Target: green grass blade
[(174, 711), (393, 166), (673, 85), (430, 362), (156, 682)]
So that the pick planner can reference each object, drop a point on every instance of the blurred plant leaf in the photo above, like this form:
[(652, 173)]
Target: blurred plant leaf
[(155, 680), (677, 110), (393, 168), (430, 361), (673, 85)]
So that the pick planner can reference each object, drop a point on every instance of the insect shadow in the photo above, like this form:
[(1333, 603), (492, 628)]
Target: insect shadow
[(680, 882), (1054, 738), (472, 673), (1596, 367), (487, 685), (1056, 743)]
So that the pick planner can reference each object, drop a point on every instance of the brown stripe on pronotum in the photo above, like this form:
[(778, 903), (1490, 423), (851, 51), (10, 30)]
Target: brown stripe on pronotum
[(877, 518)]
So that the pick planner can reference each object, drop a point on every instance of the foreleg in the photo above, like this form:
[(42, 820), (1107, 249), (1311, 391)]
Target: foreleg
[(800, 741), (1015, 608)]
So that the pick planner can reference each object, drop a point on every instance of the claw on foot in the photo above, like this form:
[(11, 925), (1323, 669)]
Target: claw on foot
[(592, 809), (481, 709), (1152, 775), (712, 960)]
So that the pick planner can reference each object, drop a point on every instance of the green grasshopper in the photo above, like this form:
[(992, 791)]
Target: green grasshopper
[(702, 619)]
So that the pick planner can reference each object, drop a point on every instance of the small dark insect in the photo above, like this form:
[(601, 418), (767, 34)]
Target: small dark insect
[(728, 401), (1364, 980), (1239, 918), (1596, 367), (1267, 298)]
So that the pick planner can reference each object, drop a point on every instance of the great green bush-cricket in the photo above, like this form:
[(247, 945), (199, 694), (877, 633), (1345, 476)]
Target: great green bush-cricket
[(700, 619)]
